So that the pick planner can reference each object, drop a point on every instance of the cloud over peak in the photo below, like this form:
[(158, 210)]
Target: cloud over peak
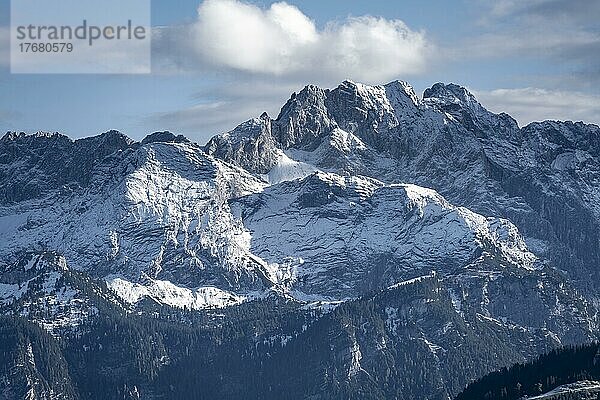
[(283, 41)]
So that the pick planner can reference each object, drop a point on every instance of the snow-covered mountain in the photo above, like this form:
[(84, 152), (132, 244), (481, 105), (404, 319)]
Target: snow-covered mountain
[(542, 177), (341, 236), (348, 193), (155, 210)]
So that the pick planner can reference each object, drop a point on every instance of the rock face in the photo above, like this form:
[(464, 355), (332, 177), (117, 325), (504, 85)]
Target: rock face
[(157, 210), (428, 221), (345, 236), (543, 177), (32, 166)]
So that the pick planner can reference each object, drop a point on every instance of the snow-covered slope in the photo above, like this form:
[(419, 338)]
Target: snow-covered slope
[(162, 213), (172, 295), (542, 177), (287, 169), (341, 236)]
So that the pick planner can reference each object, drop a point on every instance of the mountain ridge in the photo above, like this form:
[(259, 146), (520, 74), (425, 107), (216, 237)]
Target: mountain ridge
[(336, 211)]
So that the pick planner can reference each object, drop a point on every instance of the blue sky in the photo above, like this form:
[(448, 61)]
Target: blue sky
[(219, 62)]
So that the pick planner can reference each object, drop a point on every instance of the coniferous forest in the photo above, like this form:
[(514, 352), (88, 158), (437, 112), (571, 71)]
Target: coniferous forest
[(556, 368)]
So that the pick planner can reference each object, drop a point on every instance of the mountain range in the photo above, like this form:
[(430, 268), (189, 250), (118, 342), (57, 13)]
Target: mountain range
[(365, 243)]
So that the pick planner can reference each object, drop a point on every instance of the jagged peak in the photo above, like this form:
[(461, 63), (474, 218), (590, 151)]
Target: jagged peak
[(13, 135), (246, 131), (450, 93), (45, 134), (457, 103), (313, 95), (349, 92), (557, 124), (404, 88), (311, 88), (253, 125), (109, 137), (349, 84), (308, 92), (398, 94), (309, 95), (115, 134), (164, 137), (357, 87)]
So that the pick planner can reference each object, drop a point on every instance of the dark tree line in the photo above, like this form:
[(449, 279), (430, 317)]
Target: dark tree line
[(556, 368)]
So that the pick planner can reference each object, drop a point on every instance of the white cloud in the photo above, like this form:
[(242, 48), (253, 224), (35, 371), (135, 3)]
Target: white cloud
[(281, 41), (242, 36), (532, 104)]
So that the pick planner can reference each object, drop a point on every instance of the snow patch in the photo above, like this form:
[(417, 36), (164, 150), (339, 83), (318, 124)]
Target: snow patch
[(434, 348), (287, 169), (576, 390), (456, 301), (413, 280), (172, 295)]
